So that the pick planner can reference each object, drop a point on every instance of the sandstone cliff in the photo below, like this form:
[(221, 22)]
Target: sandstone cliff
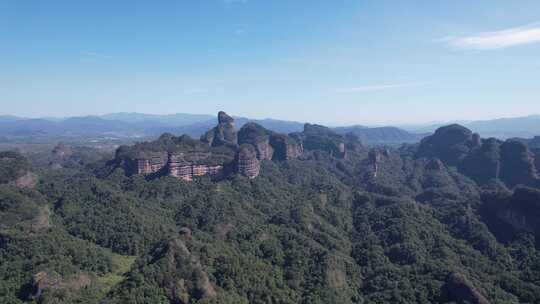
[(216, 154), (285, 147), (254, 134), (248, 164)]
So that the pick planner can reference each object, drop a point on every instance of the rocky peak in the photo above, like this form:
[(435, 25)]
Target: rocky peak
[(223, 134), (223, 118), (452, 134), (450, 144)]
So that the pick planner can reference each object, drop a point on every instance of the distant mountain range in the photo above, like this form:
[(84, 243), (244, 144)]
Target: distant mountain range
[(134, 126), (525, 126)]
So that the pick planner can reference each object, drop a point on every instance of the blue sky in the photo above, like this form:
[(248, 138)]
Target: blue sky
[(335, 61)]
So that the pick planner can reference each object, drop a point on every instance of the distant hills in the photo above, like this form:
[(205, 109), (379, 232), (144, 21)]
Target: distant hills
[(381, 135), (134, 126), (525, 126)]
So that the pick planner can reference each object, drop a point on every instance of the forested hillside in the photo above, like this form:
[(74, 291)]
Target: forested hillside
[(454, 219)]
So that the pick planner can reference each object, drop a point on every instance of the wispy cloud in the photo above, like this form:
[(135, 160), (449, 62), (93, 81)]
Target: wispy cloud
[(235, 1), (376, 87), (498, 39), (240, 31), (93, 56)]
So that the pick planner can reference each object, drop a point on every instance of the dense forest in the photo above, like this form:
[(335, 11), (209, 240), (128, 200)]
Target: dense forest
[(452, 219)]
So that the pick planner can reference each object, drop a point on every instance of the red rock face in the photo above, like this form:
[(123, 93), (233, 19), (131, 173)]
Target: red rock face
[(248, 164), (293, 151), (187, 166), (148, 166), (181, 171), (264, 150)]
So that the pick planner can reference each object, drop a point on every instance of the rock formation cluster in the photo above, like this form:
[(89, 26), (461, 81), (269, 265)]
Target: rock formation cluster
[(220, 151), (481, 159)]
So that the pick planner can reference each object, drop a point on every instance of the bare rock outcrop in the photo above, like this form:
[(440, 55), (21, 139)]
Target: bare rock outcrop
[(248, 164), (375, 157), (191, 164), (517, 163), (285, 147), (254, 134), (217, 153), (223, 134), (151, 162), (522, 210)]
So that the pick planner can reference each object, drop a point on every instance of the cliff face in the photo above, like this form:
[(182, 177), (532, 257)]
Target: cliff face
[(484, 163), (148, 163), (285, 147), (248, 164), (258, 137), (517, 163), (189, 165), (519, 210), (375, 157), (181, 157)]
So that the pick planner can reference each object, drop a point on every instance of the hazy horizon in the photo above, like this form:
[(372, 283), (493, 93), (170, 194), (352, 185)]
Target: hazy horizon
[(336, 62), (330, 124)]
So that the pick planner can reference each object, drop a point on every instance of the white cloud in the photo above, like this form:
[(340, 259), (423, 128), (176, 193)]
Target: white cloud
[(498, 39), (376, 87), (240, 31), (94, 55)]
